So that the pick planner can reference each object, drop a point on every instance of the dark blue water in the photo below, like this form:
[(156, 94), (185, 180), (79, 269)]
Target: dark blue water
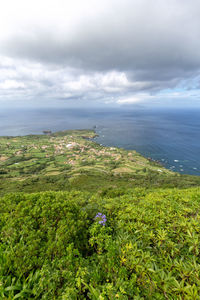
[(172, 137)]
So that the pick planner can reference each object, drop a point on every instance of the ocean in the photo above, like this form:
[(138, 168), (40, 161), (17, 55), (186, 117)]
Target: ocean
[(171, 136)]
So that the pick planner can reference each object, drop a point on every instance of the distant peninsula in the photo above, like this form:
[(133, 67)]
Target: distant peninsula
[(71, 159)]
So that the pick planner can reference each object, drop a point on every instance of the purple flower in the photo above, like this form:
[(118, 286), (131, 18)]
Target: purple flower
[(101, 218)]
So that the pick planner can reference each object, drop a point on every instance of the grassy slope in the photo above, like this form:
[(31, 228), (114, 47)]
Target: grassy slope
[(70, 160), (52, 247)]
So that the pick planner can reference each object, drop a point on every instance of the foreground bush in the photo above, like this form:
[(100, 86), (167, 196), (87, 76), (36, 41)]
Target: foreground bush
[(70, 245)]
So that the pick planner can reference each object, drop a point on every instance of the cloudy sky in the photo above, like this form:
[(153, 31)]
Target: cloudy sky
[(108, 52)]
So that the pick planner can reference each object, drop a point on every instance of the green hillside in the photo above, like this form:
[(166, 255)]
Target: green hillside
[(53, 247), (83, 221)]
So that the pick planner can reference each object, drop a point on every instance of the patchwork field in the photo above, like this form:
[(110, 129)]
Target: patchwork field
[(70, 159)]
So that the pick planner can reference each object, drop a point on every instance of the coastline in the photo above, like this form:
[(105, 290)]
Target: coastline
[(91, 138), (149, 132)]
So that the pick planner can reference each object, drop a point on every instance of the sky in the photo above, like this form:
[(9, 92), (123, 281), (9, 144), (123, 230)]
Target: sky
[(100, 53)]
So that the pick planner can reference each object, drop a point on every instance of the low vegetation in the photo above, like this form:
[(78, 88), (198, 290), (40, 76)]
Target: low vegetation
[(82, 221), (72, 245)]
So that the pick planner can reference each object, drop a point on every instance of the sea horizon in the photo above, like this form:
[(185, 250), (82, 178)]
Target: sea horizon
[(166, 135)]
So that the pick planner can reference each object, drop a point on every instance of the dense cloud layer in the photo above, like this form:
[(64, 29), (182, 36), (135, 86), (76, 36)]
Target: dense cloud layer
[(92, 49)]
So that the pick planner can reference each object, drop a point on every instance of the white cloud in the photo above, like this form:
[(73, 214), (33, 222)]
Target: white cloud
[(128, 51), (11, 84), (134, 99)]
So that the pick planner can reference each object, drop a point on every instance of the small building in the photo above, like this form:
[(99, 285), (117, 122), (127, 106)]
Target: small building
[(47, 132)]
